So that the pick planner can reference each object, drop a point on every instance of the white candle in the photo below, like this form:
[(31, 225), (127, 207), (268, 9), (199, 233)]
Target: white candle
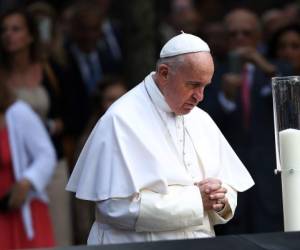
[(289, 140), (289, 144)]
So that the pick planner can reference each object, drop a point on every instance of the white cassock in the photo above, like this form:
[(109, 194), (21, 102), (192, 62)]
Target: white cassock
[(140, 164)]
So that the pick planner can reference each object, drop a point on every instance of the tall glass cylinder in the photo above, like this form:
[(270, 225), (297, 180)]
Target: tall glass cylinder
[(286, 105)]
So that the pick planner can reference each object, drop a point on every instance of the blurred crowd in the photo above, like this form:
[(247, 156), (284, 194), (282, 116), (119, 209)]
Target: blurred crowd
[(69, 60)]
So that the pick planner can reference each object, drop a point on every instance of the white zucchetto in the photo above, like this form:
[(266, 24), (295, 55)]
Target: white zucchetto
[(183, 44)]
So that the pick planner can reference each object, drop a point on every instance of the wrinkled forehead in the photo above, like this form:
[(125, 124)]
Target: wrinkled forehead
[(197, 65), (199, 60)]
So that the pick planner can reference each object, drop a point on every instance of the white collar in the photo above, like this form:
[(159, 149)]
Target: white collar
[(156, 94)]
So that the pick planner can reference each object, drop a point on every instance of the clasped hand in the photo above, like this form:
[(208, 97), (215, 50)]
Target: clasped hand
[(213, 194)]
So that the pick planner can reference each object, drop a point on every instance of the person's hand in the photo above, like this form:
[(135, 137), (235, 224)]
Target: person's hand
[(249, 54), (19, 193), (231, 84), (213, 194), (55, 126)]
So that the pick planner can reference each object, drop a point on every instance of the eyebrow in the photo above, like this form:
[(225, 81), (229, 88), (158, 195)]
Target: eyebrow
[(197, 82)]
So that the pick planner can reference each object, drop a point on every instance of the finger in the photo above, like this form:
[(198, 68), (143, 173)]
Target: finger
[(218, 207), (213, 186), (203, 181), (222, 201), (218, 196), (204, 188), (220, 190), (210, 180), (210, 188), (208, 204)]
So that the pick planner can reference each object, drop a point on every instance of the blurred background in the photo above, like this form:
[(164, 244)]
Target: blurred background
[(77, 57)]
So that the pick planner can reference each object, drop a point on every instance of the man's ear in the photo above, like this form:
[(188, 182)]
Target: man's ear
[(163, 72)]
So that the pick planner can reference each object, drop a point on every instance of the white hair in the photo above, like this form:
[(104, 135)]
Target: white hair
[(174, 62)]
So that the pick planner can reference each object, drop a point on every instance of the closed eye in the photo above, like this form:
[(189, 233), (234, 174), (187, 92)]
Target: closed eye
[(196, 84)]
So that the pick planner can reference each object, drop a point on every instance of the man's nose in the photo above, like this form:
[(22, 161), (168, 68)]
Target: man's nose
[(198, 94)]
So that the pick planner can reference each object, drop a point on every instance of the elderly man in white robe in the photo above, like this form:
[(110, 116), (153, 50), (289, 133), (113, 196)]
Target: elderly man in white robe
[(157, 166)]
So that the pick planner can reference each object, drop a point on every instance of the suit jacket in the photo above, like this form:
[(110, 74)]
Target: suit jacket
[(259, 209), (77, 100)]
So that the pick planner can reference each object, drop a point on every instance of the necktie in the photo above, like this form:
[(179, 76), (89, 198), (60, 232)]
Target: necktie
[(91, 81), (245, 94)]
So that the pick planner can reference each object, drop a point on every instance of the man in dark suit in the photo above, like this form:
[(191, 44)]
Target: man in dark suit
[(87, 62), (244, 113)]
